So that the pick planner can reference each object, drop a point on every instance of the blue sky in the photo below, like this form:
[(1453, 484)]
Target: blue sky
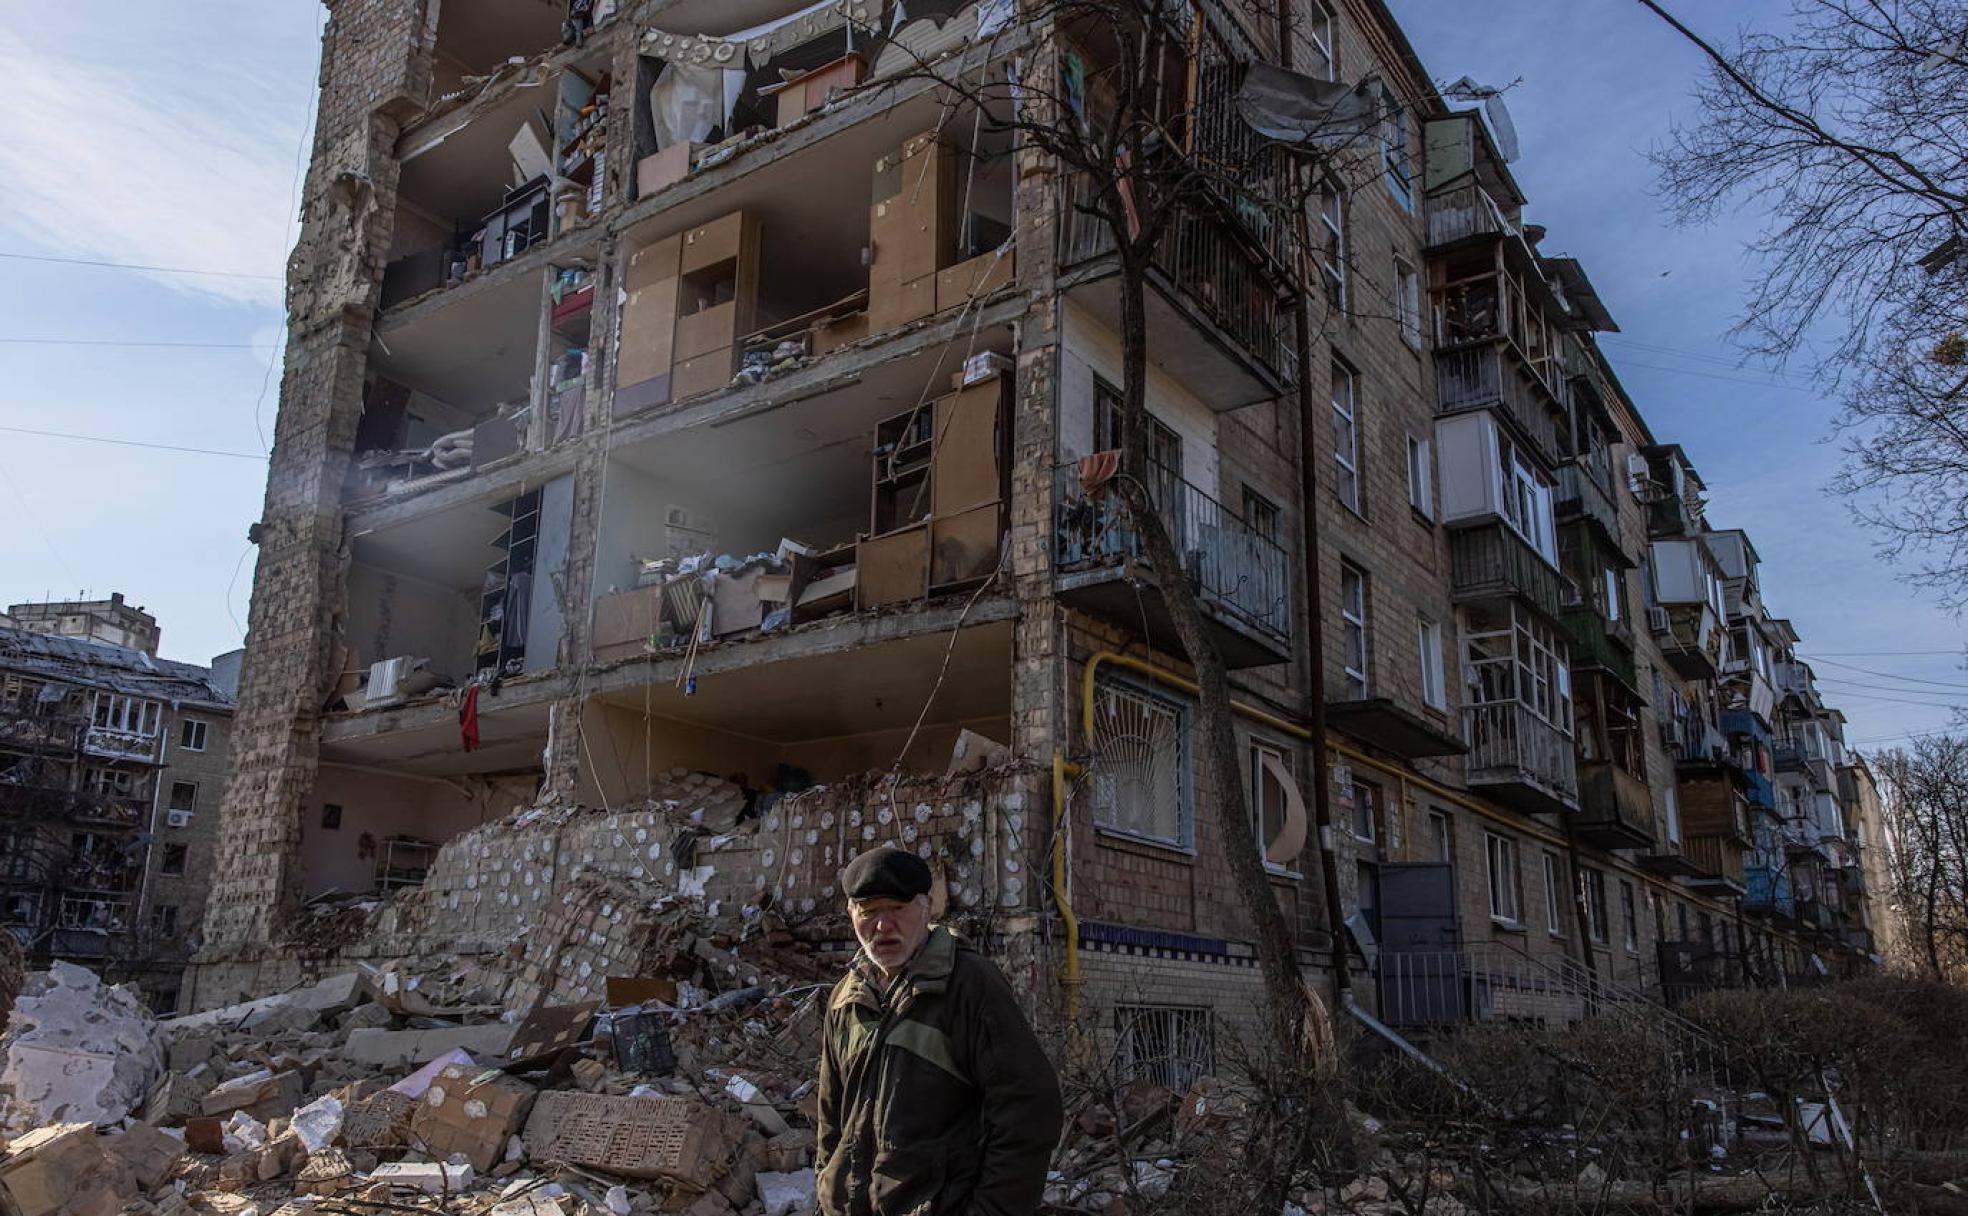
[(168, 136)]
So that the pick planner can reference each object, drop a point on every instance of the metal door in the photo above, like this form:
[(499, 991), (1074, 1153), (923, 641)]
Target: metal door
[(1423, 979)]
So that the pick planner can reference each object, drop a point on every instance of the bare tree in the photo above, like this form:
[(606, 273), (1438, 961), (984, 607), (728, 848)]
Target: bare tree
[(1849, 129), (1926, 804)]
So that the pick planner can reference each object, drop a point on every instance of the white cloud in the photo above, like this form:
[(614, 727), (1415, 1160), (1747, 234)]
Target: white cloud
[(111, 164)]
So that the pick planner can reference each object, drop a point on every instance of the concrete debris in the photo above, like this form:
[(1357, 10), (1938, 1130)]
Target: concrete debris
[(75, 1050), (785, 1194)]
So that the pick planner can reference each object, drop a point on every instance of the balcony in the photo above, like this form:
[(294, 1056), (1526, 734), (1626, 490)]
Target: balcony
[(1594, 644), (120, 744), (1805, 758), (1491, 563), (1519, 758), (1719, 858), (1215, 315), (1239, 575), (1615, 809), (1582, 494), (1670, 859), (1462, 214), (1690, 638), (1759, 792), (1766, 892), (1490, 373)]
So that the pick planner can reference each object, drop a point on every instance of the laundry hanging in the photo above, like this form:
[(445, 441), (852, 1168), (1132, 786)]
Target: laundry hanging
[(468, 719)]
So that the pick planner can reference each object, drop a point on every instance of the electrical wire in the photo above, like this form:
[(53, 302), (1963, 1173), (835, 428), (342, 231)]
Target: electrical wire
[(1889, 675), (133, 443), (121, 342), (218, 274)]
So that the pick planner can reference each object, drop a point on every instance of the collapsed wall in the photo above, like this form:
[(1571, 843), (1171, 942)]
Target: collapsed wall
[(552, 888)]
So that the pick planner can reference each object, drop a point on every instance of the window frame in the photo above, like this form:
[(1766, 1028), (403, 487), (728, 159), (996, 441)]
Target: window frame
[(1332, 258), (1178, 1026), (1259, 747), (1346, 427), (1441, 830), (1354, 631), (181, 853), (1434, 669), (1396, 156), (1184, 837), (1554, 908), (171, 797), (1598, 930), (186, 732), (1421, 476), (1506, 889), (1407, 301), (160, 914), (1629, 917), (1258, 507), (1320, 17)]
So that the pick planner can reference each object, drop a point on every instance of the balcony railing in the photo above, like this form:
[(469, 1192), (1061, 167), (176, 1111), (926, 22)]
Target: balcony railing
[(1615, 809), (1720, 856), (1511, 745), (1234, 570), (1690, 638), (1490, 374), (1492, 562), (1581, 492), (1201, 260), (120, 744), (1594, 644), (1467, 211)]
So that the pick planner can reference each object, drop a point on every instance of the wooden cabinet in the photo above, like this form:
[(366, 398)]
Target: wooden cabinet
[(937, 495), (691, 297)]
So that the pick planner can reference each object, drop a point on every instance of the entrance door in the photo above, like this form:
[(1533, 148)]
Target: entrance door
[(1422, 978)]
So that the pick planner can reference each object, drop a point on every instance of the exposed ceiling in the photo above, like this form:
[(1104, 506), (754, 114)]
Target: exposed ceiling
[(474, 352), (510, 738), (465, 173), (479, 34), (449, 549), (850, 692)]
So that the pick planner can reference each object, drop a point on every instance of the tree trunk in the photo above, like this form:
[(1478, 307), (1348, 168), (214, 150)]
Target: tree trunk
[(1216, 751)]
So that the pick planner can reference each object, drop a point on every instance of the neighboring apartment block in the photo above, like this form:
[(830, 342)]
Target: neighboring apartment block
[(112, 762), (716, 395)]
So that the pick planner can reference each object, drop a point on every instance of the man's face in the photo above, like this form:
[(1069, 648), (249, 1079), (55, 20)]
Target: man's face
[(890, 930)]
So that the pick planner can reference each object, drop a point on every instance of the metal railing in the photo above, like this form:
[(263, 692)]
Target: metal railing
[(1594, 644), (1493, 562), (1234, 570), (120, 744), (1509, 743), (1491, 374), (1201, 261), (1581, 490), (1494, 982), (1466, 211)]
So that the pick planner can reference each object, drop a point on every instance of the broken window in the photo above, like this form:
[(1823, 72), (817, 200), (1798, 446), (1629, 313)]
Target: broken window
[(174, 859), (164, 919), (1268, 797), (127, 714), (1169, 1046), (184, 796)]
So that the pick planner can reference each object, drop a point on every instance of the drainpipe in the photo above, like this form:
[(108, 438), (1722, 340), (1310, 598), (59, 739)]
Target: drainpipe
[(1315, 678)]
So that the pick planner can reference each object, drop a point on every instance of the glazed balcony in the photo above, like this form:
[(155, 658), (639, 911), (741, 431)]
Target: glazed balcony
[(120, 744), (1597, 642), (1519, 758), (1239, 575), (1766, 892), (1582, 493)]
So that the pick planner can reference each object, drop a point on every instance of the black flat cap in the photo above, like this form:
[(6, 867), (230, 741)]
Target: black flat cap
[(886, 873)]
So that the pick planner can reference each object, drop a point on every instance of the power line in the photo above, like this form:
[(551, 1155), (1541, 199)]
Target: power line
[(1874, 697), (219, 274), (134, 443), (1875, 654), (1890, 676), (1688, 371), (1679, 353), (121, 342)]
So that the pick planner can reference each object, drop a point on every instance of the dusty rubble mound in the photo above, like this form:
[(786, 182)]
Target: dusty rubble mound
[(690, 1088)]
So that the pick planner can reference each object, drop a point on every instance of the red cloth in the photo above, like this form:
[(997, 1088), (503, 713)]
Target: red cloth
[(468, 719), (1097, 470)]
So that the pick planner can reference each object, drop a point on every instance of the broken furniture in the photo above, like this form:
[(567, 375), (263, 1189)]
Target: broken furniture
[(938, 495), (691, 296), (520, 222), (665, 168), (402, 861)]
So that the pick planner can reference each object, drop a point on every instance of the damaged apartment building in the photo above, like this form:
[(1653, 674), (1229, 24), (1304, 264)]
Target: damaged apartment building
[(679, 487), (112, 763)]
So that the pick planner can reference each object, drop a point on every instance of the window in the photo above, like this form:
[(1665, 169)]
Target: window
[(1318, 31), (127, 714), (1441, 830), (174, 859), (1673, 821), (1353, 619), (1596, 925), (1261, 514), (1346, 439), (164, 919), (1629, 919), (1141, 764), (1366, 811), (184, 796), (1267, 794), (1421, 477), (1501, 854), (1407, 301), (1615, 599), (1553, 906), (1518, 660), (1167, 1045), (331, 817), (1434, 694), (1394, 148), (1525, 500), (1332, 226), (191, 735), (1164, 445), (111, 782)]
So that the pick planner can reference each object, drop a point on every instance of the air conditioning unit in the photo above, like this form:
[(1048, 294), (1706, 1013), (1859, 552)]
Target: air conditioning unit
[(177, 819), (1658, 620)]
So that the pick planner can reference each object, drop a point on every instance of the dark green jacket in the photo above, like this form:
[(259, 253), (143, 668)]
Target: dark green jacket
[(935, 1096)]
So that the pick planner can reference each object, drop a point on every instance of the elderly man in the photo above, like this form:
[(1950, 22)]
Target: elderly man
[(935, 1097)]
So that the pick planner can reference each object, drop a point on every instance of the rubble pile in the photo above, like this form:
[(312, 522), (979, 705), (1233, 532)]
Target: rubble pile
[(689, 1088)]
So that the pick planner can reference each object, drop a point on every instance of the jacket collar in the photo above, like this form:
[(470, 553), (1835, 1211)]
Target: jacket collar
[(928, 973)]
